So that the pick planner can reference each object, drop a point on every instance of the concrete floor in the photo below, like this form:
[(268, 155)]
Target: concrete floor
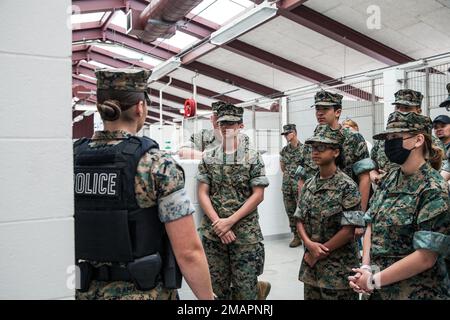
[(280, 269)]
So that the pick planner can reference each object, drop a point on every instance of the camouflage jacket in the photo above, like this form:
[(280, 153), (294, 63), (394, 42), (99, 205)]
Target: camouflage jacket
[(409, 213), (231, 179), (446, 163), (159, 181), (204, 139), (290, 156), (325, 206), (355, 152)]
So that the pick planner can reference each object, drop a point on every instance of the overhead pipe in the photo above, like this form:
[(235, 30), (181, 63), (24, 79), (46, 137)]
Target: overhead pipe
[(159, 19)]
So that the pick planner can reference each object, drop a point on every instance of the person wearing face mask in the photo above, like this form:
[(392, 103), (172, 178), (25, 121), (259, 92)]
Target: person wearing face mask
[(408, 220), (231, 182), (406, 100), (328, 211), (134, 228), (290, 157)]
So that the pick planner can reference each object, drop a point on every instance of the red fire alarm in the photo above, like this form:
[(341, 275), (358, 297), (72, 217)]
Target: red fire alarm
[(190, 108)]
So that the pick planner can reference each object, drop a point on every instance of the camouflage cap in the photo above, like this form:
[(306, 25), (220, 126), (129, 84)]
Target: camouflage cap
[(325, 134), (123, 79), (408, 97), (446, 102), (405, 122), (288, 128), (326, 98), (229, 112), (215, 106)]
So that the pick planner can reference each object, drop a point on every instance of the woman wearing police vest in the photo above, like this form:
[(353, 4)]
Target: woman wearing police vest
[(132, 214)]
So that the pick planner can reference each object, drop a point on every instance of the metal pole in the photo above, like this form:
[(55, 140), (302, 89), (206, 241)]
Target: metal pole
[(161, 109), (374, 115), (194, 96), (254, 126), (427, 91)]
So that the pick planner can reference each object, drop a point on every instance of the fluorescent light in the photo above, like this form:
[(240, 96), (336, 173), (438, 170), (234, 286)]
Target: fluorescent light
[(164, 68), (77, 118), (85, 107), (247, 21)]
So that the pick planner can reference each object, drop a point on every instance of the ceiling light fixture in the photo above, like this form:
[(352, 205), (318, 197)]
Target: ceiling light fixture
[(164, 68), (244, 23)]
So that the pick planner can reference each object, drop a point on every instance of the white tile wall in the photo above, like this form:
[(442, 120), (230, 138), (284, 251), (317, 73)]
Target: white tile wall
[(36, 188)]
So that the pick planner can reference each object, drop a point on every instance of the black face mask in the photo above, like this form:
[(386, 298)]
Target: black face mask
[(395, 152)]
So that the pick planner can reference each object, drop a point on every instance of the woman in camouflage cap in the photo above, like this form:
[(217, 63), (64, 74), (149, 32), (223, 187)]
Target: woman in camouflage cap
[(159, 182), (328, 211), (408, 220)]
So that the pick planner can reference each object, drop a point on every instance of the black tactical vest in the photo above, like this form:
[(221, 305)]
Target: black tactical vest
[(109, 224)]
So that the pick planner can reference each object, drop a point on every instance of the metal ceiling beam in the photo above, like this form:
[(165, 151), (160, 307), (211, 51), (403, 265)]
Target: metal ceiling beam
[(153, 92), (168, 52), (231, 78), (93, 31), (107, 58), (108, 21), (345, 35), (92, 85), (269, 59), (285, 4), (292, 68), (179, 100), (90, 6)]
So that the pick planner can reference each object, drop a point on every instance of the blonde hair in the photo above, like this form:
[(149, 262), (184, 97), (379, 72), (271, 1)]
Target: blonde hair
[(351, 123), (432, 153)]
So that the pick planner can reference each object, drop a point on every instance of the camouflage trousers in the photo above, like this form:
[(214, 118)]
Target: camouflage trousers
[(290, 204), (317, 293), (234, 268), (121, 290)]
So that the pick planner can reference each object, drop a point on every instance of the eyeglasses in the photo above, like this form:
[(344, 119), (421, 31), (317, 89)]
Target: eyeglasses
[(321, 147)]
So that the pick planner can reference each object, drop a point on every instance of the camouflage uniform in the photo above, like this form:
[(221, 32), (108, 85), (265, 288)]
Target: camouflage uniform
[(445, 120), (446, 164), (207, 138), (204, 139), (325, 206), (354, 147), (409, 213), (159, 181), (290, 156), (230, 178), (406, 97)]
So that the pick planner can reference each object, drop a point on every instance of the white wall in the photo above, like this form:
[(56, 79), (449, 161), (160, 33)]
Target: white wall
[(36, 189)]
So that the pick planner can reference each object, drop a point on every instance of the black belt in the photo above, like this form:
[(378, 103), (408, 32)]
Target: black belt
[(111, 273)]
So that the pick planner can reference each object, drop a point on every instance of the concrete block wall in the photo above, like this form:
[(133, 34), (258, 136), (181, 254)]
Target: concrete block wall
[(36, 180)]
